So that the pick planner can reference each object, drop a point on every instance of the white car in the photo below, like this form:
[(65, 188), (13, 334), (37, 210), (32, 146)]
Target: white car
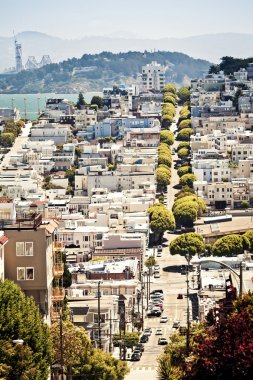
[(164, 319), (159, 332), (159, 254), (157, 274), (156, 267)]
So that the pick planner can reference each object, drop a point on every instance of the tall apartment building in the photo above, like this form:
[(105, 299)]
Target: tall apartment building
[(33, 260), (153, 76)]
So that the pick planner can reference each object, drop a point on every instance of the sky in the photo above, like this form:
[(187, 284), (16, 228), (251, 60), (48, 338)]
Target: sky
[(156, 19)]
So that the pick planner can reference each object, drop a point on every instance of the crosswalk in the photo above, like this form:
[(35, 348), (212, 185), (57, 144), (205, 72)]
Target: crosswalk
[(144, 368)]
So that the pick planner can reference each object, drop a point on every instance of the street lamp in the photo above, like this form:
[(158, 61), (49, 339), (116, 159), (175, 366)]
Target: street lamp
[(99, 317)]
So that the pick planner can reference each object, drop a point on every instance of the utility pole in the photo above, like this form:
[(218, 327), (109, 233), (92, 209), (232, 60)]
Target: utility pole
[(241, 279), (110, 342), (142, 314), (99, 318), (188, 308), (61, 346)]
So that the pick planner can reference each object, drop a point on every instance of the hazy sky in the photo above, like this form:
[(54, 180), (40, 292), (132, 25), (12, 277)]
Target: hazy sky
[(140, 18)]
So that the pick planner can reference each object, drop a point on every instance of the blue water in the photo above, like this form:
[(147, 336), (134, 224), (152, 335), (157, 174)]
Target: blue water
[(34, 103)]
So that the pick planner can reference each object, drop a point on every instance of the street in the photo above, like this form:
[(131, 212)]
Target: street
[(172, 282)]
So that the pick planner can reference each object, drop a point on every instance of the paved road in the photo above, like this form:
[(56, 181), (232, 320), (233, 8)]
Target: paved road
[(20, 140)]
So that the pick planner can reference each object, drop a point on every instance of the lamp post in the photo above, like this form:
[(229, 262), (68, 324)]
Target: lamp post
[(188, 258), (61, 347), (99, 317)]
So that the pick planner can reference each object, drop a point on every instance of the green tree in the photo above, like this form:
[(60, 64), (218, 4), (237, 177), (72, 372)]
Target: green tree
[(167, 119), (161, 220), (189, 243), (165, 369), (249, 236), (167, 137), (163, 177), (184, 94), (20, 319), (98, 100), (164, 159), (187, 180), (168, 98), (182, 153), (150, 262), (184, 124), (186, 214), (245, 204), (170, 88), (184, 170), (183, 144), (70, 174), (131, 339), (7, 139), (184, 134), (80, 102), (230, 245)]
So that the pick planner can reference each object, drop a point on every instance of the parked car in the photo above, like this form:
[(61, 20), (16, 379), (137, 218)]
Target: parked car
[(162, 341), (144, 339), (176, 324), (140, 347), (156, 267), (156, 291), (180, 296), (160, 295), (135, 357), (136, 351), (147, 331), (157, 274), (159, 254), (159, 248), (159, 332), (164, 319)]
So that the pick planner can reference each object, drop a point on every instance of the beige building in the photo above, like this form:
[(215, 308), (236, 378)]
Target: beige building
[(33, 260), (3, 241)]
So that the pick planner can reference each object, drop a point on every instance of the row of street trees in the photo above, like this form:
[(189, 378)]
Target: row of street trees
[(11, 130), (168, 107), (42, 347)]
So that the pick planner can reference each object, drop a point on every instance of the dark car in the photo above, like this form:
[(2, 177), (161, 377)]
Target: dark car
[(156, 291), (136, 351), (140, 347), (144, 339), (135, 357), (162, 341)]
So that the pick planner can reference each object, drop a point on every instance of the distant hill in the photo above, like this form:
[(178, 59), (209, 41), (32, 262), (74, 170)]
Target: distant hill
[(210, 46), (95, 71)]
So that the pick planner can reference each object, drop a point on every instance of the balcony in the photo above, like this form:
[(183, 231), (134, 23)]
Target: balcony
[(23, 221), (55, 313), (58, 269), (58, 294), (58, 246)]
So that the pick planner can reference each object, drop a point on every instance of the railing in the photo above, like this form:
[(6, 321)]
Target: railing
[(58, 294), (22, 221)]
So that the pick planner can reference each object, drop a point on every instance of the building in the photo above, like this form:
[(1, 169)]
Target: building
[(33, 260), (3, 241), (153, 76)]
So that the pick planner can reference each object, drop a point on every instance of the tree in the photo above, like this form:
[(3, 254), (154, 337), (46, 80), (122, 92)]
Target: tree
[(189, 243), (20, 319), (186, 214), (70, 174), (249, 236), (230, 245), (131, 339), (161, 220), (184, 94), (167, 137), (98, 100), (182, 153), (187, 180), (245, 204), (184, 124), (80, 102), (78, 355), (165, 370), (224, 350), (164, 159), (198, 203), (167, 119), (170, 88), (163, 177), (150, 262), (184, 134), (183, 144), (168, 98), (7, 139), (184, 170)]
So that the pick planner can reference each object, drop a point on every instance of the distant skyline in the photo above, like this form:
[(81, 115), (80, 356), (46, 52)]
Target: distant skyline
[(131, 18)]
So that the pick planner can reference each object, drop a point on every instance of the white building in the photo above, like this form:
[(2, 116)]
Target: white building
[(153, 76)]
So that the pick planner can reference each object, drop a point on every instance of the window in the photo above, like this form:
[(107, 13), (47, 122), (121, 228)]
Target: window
[(20, 274), (25, 273), (24, 248), (102, 318), (30, 273)]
